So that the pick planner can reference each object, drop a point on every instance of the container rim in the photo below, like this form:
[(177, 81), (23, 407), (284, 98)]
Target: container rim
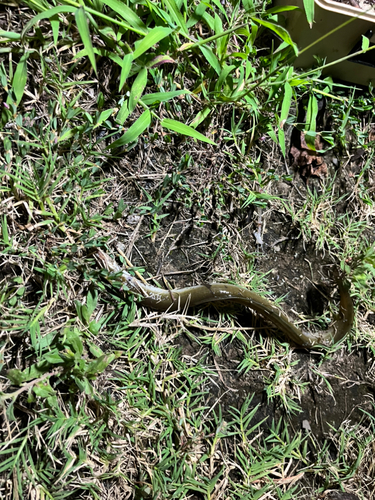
[(347, 10)]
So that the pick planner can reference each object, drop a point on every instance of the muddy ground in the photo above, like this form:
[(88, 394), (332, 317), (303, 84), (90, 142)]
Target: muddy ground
[(211, 237)]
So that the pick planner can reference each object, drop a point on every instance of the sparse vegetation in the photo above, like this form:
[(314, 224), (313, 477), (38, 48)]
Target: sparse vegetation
[(166, 126)]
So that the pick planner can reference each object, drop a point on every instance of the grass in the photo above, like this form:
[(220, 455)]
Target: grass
[(165, 125)]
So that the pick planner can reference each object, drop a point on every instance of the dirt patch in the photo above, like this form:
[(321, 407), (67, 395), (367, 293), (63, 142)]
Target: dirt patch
[(187, 249)]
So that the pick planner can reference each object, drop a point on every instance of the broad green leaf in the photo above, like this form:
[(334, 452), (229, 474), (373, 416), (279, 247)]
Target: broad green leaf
[(16, 376), (310, 137), (149, 99), (309, 10), (365, 42), (253, 34), (240, 83), (134, 131), (282, 8), (223, 75), (20, 77), (83, 28), (243, 31), (54, 358), (311, 114), (34, 371), (47, 15), (55, 25), (84, 386), (221, 42), (104, 115), (183, 129), (197, 16), (279, 30), (123, 113), (295, 82), (67, 134), (209, 20), (248, 6), (73, 340), (271, 133), (91, 301), (125, 69), (101, 52), (99, 365), (95, 350), (137, 89), (43, 390), (176, 15), (281, 136), (151, 39), (211, 58), (287, 100), (202, 115), (85, 314), (127, 14), (9, 35)]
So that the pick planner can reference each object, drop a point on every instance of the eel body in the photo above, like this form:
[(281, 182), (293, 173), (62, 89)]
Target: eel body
[(177, 299)]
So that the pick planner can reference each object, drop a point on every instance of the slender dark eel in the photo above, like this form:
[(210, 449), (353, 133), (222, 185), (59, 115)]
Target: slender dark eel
[(171, 300)]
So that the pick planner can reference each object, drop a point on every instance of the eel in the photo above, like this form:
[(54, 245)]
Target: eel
[(177, 299)]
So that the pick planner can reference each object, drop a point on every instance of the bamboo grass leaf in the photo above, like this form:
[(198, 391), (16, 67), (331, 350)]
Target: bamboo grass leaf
[(137, 89), (211, 58), (309, 11), (47, 14), (151, 39), (279, 30), (125, 69), (83, 28), (127, 14), (183, 129), (285, 107), (177, 16), (55, 25), (10, 35), (20, 77), (150, 99), (134, 131)]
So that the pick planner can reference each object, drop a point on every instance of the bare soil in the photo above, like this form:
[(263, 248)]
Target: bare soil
[(211, 239)]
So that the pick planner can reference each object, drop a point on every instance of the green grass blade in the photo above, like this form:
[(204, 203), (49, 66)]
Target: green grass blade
[(125, 69), (287, 100), (9, 35), (177, 16), (151, 39), (83, 28), (20, 77), (201, 116), (309, 10), (137, 89), (104, 115), (211, 58), (183, 129), (47, 15), (127, 14), (150, 99), (55, 25), (134, 131), (279, 30)]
